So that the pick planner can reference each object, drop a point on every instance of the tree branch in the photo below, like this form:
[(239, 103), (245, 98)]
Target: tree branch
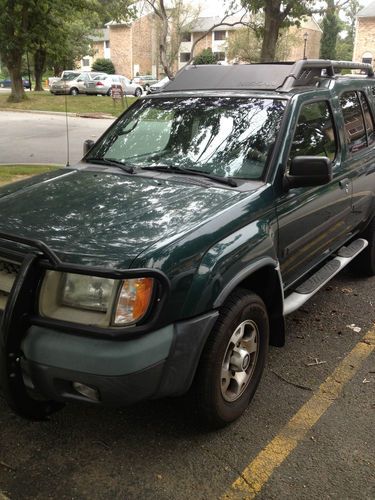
[(223, 22)]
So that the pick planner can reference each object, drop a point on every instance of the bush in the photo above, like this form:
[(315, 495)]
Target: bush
[(104, 65), (205, 57)]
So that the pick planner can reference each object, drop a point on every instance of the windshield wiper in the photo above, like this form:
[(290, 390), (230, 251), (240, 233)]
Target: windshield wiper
[(113, 163), (191, 171)]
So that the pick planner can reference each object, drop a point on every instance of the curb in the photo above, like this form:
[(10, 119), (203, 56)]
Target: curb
[(36, 164), (61, 113)]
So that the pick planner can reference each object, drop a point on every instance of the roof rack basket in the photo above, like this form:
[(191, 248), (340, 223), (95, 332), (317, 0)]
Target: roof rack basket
[(306, 71)]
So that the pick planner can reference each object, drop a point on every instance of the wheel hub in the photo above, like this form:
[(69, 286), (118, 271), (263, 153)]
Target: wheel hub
[(239, 360)]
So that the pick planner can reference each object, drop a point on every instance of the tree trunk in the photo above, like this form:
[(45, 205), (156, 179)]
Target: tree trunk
[(163, 42), (272, 23), (15, 73), (39, 65)]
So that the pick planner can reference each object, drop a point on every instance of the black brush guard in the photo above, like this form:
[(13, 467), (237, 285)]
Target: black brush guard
[(19, 315)]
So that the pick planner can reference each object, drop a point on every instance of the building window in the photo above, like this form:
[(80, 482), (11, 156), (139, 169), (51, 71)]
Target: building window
[(220, 56), (186, 37), (86, 61), (184, 57), (106, 44), (219, 35)]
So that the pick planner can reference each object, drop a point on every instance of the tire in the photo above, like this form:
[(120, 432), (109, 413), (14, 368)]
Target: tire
[(233, 360), (138, 92), (365, 262), (147, 87), (74, 91)]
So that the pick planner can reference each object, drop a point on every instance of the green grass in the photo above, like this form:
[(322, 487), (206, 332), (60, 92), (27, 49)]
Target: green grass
[(45, 101), (10, 173)]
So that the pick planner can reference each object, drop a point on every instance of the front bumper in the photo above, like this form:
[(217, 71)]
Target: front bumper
[(160, 363)]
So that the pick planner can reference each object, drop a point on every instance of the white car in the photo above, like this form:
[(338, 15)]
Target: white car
[(103, 85), (157, 87)]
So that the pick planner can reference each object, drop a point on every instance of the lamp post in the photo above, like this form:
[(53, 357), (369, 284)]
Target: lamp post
[(305, 37)]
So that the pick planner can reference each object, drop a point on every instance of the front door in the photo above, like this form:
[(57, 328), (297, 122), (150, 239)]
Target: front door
[(313, 220)]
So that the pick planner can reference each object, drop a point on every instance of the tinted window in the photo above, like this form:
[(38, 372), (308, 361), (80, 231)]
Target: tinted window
[(220, 135), (355, 132), (314, 135), (369, 121)]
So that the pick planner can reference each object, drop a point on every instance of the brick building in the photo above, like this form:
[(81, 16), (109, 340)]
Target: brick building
[(364, 42), (217, 40), (133, 46)]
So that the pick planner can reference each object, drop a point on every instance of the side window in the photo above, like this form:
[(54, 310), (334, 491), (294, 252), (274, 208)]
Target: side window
[(353, 120), (314, 135), (369, 120)]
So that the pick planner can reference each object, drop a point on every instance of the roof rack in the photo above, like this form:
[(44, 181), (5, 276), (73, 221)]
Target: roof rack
[(279, 76), (307, 71)]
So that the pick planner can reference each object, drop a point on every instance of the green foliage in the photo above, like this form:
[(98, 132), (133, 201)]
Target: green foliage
[(245, 46), (277, 15), (205, 57), (331, 28), (104, 65), (345, 45), (58, 30)]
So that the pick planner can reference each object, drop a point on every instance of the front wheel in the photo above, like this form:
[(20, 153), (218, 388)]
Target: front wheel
[(233, 359), (138, 92), (74, 91)]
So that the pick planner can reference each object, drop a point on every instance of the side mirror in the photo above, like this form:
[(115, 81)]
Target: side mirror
[(308, 171), (87, 145)]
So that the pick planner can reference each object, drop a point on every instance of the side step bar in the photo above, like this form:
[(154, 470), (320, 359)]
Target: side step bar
[(309, 288)]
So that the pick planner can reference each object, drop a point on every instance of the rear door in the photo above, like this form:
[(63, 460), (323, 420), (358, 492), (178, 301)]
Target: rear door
[(359, 153), (313, 221)]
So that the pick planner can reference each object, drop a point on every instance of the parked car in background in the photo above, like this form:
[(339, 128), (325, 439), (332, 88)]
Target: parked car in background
[(145, 81), (158, 86), (8, 83), (102, 84), (54, 79), (74, 82)]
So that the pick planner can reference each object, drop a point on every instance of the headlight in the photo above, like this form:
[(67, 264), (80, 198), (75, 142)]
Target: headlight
[(86, 292), (95, 301)]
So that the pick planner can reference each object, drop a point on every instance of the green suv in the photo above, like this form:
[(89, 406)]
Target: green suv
[(166, 260)]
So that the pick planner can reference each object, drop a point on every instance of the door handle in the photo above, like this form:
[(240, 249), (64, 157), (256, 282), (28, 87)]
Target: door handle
[(344, 184)]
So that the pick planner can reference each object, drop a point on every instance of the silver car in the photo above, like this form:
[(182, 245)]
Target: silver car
[(74, 82), (102, 85)]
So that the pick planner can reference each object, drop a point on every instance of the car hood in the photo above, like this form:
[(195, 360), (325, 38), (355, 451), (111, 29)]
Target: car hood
[(98, 218)]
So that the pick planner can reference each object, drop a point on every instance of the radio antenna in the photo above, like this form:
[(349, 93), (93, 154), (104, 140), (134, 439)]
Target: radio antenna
[(67, 131)]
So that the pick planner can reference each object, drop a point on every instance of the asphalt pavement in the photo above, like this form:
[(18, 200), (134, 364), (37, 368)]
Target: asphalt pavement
[(42, 138), (156, 450)]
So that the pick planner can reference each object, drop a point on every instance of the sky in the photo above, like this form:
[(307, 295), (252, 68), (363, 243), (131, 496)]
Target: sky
[(216, 7)]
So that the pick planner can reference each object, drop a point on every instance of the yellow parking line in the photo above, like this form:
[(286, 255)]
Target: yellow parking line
[(257, 473)]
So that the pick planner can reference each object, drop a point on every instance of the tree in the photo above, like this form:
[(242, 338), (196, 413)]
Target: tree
[(167, 28), (205, 57), (277, 15), (36, 25), (245, 46), (14, 22), (104, 66), (345, 43)]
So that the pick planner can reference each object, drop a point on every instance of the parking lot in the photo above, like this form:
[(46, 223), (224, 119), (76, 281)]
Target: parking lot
[(281, 448)]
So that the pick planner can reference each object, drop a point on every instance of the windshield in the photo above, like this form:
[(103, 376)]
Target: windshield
[(70, 76), (224, 136)]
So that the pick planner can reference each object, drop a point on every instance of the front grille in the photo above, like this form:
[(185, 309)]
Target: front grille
[(8, 274)]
